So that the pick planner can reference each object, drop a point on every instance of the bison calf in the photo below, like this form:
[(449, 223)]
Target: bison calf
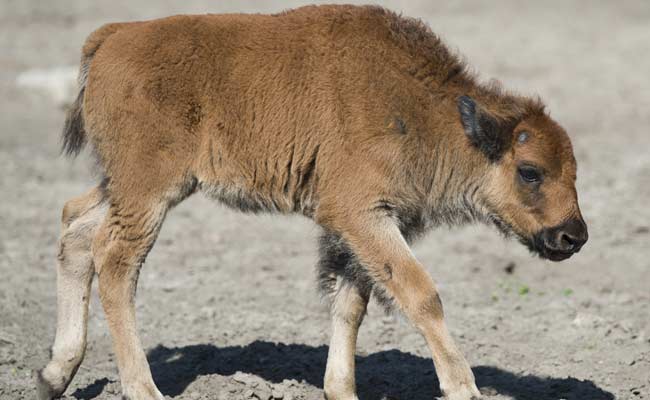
[(353, 116)]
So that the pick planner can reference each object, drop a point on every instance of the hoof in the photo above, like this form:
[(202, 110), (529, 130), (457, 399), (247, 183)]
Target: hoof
[(141, 391), (45, 390), (465, 392)]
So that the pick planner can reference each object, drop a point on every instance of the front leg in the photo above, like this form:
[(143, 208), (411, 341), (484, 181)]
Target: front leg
[(348, 309), (380, 247), (339, 281)]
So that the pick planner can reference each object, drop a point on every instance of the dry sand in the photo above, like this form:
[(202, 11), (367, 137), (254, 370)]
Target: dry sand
[(227, 305)]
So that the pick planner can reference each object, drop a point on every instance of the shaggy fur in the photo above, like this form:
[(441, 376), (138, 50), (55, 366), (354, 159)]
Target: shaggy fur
[(356, 117)]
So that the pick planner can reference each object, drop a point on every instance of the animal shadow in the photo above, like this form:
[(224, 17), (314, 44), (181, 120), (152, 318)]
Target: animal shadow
[(386, 374)]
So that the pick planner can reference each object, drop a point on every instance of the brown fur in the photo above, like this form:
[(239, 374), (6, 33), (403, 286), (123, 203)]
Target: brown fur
[(348, 115)]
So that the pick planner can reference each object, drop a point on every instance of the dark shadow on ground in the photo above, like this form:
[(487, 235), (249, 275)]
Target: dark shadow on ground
[(391, 374), (91, 391)]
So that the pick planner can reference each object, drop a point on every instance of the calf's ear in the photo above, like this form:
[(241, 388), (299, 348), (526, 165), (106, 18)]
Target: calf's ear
[(482, 129)]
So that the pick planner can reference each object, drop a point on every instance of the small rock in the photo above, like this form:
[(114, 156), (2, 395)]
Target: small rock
[(248, 379), (290, 382), (263, 393), (587, 320), (194, 395), (223, 396), (488, 391), (642, 230)]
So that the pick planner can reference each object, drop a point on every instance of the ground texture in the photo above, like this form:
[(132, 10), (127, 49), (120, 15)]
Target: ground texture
[(227, 305)]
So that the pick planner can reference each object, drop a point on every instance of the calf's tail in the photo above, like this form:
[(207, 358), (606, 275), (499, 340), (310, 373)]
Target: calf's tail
[(74, 133)]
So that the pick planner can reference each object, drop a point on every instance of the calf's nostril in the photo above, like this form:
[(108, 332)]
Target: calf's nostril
[(567, 242)]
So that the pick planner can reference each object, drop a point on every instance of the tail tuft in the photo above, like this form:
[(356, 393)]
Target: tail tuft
[(74, 135)]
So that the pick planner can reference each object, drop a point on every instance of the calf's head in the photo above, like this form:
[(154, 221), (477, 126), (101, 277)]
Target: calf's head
[(530, 179)]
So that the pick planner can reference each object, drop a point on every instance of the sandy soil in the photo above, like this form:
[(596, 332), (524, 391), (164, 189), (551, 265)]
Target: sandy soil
[(227, 304)]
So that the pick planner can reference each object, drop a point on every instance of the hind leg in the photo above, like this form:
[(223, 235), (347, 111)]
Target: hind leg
[(81, 218), (121, 245)]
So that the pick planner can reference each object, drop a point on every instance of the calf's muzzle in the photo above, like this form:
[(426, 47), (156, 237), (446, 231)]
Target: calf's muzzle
[(562, 241)]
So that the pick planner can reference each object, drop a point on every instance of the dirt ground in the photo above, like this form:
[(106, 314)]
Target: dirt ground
[(227, 305)]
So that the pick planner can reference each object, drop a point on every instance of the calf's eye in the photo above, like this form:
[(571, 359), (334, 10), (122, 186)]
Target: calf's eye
[(530, 174)]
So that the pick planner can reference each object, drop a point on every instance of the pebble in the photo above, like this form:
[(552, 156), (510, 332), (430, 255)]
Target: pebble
[(263, 393), (194, 395), (488, 391), (248, 379)]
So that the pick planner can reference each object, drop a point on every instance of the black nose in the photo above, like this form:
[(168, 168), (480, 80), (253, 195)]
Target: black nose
[(568, 237)]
